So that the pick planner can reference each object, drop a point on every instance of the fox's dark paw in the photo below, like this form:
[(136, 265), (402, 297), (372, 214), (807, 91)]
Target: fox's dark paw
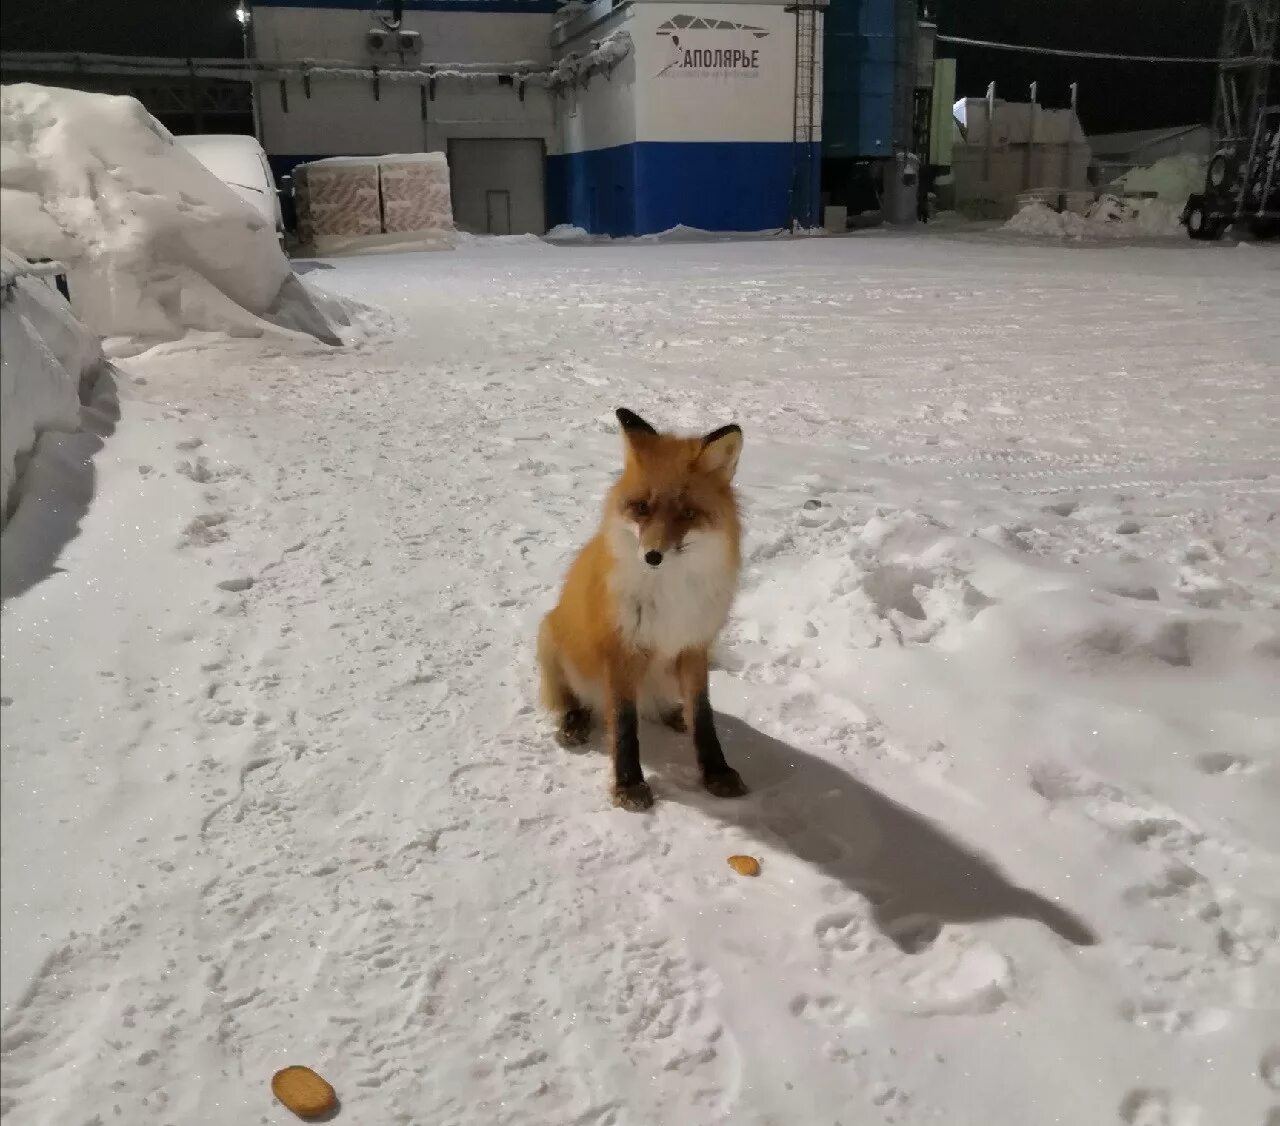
[(633, 798), (726, 783), (575, 728), (674, 719)]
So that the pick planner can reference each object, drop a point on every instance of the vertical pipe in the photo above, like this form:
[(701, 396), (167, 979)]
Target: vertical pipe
[(1071, 135), (1033, 108), (249, 41), (795, 129), (991, 127)]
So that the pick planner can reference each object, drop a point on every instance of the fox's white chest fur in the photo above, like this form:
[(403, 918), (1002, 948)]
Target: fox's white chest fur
[(681, 604)]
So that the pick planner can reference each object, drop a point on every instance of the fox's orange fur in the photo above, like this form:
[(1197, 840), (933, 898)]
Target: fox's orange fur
[(644, 601)]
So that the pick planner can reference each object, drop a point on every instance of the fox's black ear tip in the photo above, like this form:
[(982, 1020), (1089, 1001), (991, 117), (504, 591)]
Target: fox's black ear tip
[(632, 422), (722, 432)]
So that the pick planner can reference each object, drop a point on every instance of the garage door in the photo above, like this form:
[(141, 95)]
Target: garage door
[(497, 185)]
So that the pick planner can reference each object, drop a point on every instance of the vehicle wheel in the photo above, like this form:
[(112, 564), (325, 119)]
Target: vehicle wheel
[(1218, 171), (1201, 224)]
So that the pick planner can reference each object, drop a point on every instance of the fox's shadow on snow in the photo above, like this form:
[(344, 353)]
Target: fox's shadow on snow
[(916, 876)]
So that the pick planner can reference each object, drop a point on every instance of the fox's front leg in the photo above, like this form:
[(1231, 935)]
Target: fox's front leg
[(717, 775), (630, 790)]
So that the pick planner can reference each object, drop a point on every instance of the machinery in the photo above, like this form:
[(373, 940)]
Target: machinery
[(1242, 182)]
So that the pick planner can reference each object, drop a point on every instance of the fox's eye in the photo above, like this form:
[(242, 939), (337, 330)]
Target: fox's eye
[(689, 514), (640, 507)]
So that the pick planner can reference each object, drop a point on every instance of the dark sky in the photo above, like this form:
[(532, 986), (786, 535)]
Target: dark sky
[(122, 27), (1112, 95)]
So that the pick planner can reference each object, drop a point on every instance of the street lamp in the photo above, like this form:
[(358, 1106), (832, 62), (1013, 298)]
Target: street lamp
[(244, 16)]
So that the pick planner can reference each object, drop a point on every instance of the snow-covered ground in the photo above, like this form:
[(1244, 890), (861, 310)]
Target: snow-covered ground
[(1003, 678)]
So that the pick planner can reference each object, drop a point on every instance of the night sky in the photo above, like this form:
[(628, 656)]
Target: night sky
[(1113, 96)]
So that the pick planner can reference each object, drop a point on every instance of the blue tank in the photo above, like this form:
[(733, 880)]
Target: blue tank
[(859, 51)]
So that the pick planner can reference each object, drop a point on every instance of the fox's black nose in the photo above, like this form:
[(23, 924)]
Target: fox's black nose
[(653, 558)]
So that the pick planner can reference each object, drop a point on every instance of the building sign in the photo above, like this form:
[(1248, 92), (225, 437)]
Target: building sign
[(696, 46)]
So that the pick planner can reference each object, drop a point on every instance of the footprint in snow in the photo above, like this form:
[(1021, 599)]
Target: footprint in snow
[(1223, 762), (1157, 1108), (1269, 1068)]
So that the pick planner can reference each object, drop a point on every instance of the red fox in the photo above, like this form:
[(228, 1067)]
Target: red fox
[(643, 603)]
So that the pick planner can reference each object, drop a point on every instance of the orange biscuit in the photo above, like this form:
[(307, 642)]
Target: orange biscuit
[(745, 865), (303, 1092)]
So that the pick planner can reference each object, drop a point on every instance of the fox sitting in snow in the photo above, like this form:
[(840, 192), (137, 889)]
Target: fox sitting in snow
[(643, 603)]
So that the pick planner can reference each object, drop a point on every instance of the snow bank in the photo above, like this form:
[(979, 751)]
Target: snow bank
[(1166, 184), (155, 244), (1108, 217), (567, 232), (45, 356), (1171, 179), (240, 163)]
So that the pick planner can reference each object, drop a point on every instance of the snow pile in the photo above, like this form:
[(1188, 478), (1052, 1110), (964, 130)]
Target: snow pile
[(154, 243), (567, 232), (46, 356), (240, 163), (1038, 219), (1108, 217), (1171, 179)]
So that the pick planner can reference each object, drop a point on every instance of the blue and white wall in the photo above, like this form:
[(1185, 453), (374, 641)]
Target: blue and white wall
[(694, 128)]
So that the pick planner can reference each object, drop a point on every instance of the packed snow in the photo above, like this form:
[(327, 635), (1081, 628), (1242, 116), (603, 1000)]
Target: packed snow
[(1145, 202), (155, 244), (1171, 178), (1002, 677), (239, 162), (1108, 217), (46, 358)]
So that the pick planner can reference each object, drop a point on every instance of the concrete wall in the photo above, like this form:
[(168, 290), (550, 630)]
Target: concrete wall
[(1029, 147), (343, 117)]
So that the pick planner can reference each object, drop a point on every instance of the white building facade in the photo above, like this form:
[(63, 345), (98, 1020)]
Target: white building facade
[(687, 120)]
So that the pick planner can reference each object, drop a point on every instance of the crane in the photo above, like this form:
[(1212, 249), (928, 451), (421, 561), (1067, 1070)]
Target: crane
[(1242, 181)]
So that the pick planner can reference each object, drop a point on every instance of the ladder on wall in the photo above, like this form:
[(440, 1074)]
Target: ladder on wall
[(806, 107)]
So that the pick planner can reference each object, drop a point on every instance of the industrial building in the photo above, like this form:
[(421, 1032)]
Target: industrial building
[(621, 117), (1005, 152)]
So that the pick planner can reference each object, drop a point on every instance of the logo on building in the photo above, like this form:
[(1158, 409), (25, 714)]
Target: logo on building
[(702, 46)]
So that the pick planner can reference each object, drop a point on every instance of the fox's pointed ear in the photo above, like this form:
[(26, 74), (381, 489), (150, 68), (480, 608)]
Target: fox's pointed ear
[(720, 451), (635, 432), (632, 423)]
